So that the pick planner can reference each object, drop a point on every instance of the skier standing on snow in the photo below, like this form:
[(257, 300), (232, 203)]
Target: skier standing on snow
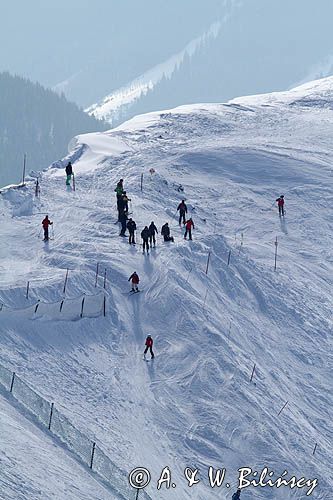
[(135, 281), (119, 192), (182, 211), (46, 223), (125, 201), (145, 237), (188, 228), (122, 220), (131, 226), (236, 496), (152, 230), (280, 202), (165, 232), (149, 346), (69, 173)]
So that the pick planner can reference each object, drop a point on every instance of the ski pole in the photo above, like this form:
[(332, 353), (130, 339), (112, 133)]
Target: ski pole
[(52, 231), (40, 231)]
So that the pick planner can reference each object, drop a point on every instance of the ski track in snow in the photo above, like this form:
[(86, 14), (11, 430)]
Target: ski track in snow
[(194, 405)]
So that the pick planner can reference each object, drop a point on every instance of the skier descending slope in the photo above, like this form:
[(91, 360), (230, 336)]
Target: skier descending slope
[(135, 281), (149, 346), (145, 237), (188, 228), (182, 208), (46, 223), (236, 496), (131, 226), (280, 202)]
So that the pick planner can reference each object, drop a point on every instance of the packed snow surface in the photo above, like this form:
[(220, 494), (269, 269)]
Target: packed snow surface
[(194, 406)]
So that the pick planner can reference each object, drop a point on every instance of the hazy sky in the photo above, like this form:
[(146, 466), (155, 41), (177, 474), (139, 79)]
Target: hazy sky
[(97, 46)]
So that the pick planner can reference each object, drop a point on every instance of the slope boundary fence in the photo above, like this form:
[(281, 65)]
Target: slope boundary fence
[(86, 450)]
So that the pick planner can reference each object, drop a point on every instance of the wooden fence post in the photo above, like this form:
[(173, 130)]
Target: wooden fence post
[(92, 455), (65, 283), (51, 415), (27, 292), (12, 382)]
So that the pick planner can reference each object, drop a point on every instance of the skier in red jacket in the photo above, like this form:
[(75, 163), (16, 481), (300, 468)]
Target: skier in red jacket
[(149, 345), (46, 223), (135, 281), (188, 228), (280, 202)]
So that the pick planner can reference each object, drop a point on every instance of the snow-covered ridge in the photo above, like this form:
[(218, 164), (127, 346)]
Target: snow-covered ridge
[(140, 86), (195, 405)]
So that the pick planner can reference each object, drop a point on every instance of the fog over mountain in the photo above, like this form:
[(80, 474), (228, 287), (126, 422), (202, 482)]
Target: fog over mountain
[(93, 50)]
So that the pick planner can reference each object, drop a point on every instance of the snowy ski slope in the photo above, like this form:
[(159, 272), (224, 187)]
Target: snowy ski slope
[(194, 406)]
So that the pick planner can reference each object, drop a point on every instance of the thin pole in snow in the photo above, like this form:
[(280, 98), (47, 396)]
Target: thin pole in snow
[(208, 259), (82, 306), (24, 165), (51, 414), (65, 283), (27, 292), (229, 256), (283, 407), (104, 284), (12, 383), (141, 181), (92, 455), (276, 249), (314, 451), (254, 367), (97, 268), (104, 306)]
